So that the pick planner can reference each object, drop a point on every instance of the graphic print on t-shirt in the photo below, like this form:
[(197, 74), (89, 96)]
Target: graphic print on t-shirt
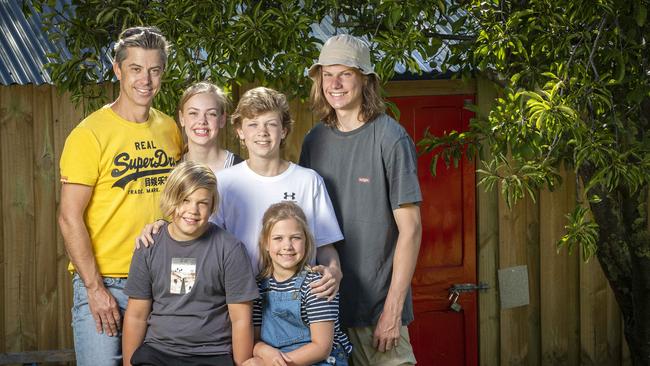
[(146, 161), (183, 275)]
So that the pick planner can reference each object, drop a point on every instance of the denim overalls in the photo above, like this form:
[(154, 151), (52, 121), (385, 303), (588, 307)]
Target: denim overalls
[(282, 325)]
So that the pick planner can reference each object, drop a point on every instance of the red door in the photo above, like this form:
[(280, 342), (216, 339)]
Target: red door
[(439, 335)]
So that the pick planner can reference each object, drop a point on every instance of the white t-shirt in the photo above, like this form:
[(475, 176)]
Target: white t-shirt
[(245, 196)]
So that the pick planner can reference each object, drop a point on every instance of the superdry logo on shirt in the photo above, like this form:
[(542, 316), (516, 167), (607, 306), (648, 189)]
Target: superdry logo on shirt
[(129, 168), (365, 180)]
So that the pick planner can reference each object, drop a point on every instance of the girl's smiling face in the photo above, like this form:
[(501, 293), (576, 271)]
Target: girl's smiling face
[(286, 247), (201, 119)]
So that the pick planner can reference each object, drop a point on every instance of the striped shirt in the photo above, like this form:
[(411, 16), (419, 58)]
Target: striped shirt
[(312, 308)]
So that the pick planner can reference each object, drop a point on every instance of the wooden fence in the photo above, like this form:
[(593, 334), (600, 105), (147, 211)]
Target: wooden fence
[(572, 318), (36, 294)]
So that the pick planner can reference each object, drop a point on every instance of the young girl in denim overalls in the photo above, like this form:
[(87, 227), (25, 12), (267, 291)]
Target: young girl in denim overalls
[(293, 326)]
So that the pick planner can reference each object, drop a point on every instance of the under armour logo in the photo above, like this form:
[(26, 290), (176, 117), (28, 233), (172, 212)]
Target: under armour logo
[(292, 196)]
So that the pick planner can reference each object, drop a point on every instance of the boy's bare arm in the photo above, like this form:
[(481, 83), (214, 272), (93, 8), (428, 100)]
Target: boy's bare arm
[(135, 327), (241, 317), (409, 224)]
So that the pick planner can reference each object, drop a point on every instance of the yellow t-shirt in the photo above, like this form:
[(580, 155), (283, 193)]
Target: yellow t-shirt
[(127, 164)]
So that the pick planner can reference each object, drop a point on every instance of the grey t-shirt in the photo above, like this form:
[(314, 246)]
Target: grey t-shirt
[(368, 172), (191, 284)]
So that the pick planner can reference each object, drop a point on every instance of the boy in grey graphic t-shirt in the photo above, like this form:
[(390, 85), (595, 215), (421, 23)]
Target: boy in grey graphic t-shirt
[(191, 284), (190, 295)]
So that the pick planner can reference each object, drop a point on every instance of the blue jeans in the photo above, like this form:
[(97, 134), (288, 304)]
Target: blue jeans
[(92, 348), (282, 325)]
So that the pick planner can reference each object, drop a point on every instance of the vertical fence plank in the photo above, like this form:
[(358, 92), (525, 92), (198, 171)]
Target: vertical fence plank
[(513, 251), (65, 117), (45, 226), (626, 358), (234, 144), (615, 339), (600, 322), (533, 255), (488, 249), (488, 259), (560, 294), (18, 214)]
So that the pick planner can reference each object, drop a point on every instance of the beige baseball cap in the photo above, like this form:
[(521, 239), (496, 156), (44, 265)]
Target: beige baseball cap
[(347, 50)]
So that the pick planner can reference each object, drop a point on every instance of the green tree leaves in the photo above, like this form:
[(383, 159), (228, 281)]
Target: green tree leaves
[(576, 78), (234, 42)]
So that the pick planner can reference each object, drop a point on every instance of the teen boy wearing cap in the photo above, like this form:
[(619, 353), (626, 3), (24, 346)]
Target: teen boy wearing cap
[(113, 166), (368, 162)]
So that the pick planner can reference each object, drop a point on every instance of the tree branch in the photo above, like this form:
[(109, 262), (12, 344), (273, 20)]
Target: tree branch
[(450, 37), (593, 49)]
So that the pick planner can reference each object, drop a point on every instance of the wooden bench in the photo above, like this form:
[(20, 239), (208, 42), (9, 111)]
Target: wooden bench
[(37, 357)]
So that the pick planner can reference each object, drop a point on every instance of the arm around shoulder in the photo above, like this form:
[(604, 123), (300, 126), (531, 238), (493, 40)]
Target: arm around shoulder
[(329, 266)]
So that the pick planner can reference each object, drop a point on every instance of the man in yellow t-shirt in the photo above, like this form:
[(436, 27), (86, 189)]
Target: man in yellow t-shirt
[(113, 167)]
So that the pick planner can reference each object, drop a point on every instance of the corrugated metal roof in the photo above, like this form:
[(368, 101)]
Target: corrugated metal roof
[(23, 47)]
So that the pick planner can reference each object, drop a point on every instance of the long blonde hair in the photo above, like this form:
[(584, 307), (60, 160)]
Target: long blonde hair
[(372, 104), (275, 213)]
